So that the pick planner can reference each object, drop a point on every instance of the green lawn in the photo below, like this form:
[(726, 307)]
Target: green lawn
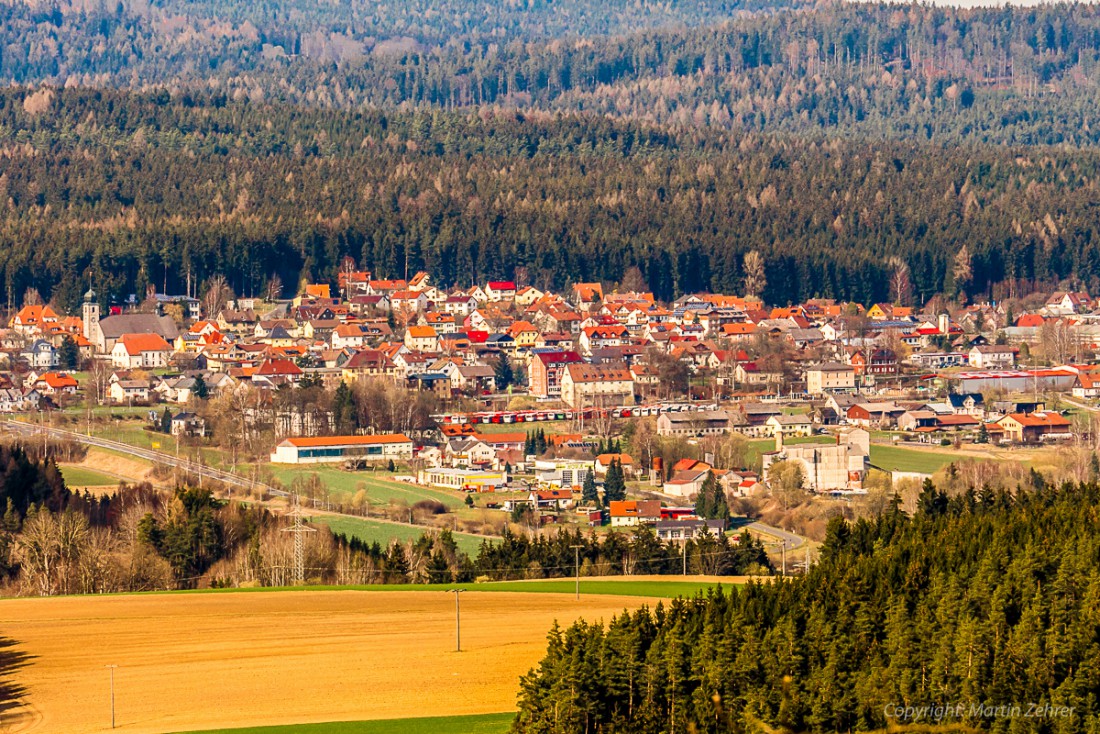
[(78, 476), (893, 458), (547, 426), (477, 724), (380, 489), (589, 585), (370, 531)]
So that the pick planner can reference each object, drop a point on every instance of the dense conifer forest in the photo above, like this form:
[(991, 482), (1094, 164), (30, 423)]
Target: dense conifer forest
[(127, 189), (984, 600)]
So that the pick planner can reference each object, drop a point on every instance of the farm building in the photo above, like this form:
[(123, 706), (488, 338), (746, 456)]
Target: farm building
[(320, 449)]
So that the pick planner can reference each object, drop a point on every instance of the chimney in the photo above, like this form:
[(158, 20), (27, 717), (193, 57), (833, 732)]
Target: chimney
[(779, 440)]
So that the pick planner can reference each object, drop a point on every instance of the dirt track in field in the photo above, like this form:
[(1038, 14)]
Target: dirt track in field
[(200, 661)]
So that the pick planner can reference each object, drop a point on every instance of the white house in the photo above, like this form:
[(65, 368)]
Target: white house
[(141, 351)]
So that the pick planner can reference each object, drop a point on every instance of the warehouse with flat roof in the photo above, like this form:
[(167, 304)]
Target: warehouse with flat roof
[(319, 449)]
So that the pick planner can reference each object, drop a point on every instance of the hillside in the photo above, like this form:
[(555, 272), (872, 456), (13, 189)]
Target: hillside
[(985, 600), (128, 190)]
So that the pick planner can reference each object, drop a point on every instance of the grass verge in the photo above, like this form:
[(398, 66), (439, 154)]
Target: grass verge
[(476, 724)]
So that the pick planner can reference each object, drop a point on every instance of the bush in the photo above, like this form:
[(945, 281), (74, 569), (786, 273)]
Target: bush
[(430, 507)]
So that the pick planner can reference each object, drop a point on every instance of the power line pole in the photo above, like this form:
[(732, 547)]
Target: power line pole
[(112, 669), (458, 620), (684, 552), (577, 567), (298, 528)]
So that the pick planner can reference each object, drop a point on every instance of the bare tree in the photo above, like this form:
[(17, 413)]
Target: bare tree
[(900, 286), (755, 274), (218, 293)]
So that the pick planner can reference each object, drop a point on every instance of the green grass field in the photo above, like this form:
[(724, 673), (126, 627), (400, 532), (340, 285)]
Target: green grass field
[(547, 426), (384, 533), (78, 476), (477, 724), (893, 458), (589, 585), (380, 489)]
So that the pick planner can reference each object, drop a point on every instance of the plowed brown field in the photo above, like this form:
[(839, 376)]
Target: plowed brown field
[(199, 661)]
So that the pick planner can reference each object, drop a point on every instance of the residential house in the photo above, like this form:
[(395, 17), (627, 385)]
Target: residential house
[(500, 290), (130, 392), (40, 354), (688, 529), (1035, 427), (145, 351), (422, 339), (545, 369), (829, 377), (790, 425), (992, 356), (631, 513)]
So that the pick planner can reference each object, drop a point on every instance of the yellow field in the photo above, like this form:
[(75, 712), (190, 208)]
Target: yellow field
[(198, 661)]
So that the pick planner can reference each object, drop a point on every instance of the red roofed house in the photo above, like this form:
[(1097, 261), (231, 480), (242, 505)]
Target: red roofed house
[(501, 290), (545, 371), (141, 350), (277, 371)]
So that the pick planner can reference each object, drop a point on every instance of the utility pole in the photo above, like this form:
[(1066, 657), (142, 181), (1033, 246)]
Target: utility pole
[(684, 553), (112, 669), (458, 620), (577, 567)]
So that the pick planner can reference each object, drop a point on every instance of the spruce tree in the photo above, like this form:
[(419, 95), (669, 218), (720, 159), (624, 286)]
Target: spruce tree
[(589, 493)]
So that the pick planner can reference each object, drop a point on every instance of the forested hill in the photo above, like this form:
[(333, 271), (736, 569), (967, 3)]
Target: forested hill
[(984, 601), (1003, 75), (127, 190)]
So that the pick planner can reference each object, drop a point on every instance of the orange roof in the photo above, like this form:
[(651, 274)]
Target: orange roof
[(606, 459), (135, 344), (589, 291), (318, 290), (1038, 420), (738, 329), (56, 380), (421, 332), (520, 327), (305, 441)]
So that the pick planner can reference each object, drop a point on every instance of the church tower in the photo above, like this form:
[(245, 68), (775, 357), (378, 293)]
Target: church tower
[(90, 314)]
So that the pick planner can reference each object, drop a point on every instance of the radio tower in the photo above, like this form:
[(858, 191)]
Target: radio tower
[(298, 528)]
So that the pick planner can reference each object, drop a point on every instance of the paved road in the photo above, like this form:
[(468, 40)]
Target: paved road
[(790, 540)]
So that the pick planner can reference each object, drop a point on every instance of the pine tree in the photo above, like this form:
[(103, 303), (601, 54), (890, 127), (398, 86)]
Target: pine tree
[(589, 493), (614, 484), (68, 354), (199, 389), (505, 376)]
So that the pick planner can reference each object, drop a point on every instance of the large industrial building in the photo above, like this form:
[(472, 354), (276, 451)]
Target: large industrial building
[(319, 449), (825, 467)]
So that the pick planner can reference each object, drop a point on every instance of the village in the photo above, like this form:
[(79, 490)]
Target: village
[(589, 406)]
